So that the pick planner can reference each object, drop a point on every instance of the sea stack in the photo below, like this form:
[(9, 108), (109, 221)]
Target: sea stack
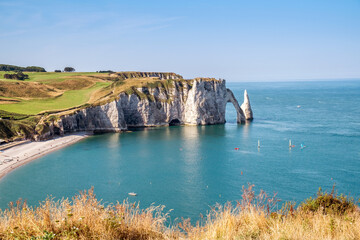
[(246, 108)]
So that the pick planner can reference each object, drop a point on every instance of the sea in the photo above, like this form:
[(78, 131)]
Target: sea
[(189, 169)]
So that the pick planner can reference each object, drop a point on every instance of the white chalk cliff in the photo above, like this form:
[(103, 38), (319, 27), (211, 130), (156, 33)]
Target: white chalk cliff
[(191, 102)]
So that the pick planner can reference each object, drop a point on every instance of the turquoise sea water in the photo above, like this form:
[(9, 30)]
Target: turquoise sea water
[(190, 168)]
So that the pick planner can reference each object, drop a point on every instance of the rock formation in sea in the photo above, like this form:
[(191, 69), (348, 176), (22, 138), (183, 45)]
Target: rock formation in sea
[(200, 101), (246, 107)]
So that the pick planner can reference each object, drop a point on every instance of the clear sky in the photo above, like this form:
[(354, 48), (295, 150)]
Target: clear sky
[(240, 40)]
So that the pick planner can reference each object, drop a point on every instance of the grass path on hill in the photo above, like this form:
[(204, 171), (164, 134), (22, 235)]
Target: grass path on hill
[(69, 99)]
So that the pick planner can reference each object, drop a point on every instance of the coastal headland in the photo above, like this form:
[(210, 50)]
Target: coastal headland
[(56, 109), (53, 104)]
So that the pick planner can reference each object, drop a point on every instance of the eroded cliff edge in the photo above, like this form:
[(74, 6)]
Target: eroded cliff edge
[(199, 101)]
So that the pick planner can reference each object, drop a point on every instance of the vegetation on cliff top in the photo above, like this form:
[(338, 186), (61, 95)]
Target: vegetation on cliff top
[(252, 217), (60, 91), (45, 93)]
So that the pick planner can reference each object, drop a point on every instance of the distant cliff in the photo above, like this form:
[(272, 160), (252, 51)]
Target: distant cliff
[(160, 75), (199, 101)]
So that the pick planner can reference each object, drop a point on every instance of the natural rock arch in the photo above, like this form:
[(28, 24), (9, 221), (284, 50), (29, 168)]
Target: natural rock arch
[(244, 113), (240, 116)]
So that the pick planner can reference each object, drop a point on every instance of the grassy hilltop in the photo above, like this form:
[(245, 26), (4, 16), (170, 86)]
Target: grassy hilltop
[(24, 103), (49, 91)]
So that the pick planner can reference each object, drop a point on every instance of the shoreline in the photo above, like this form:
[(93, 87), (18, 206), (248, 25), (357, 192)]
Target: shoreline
[(19, 155)]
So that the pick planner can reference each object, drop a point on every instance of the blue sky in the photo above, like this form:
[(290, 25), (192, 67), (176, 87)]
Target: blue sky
[(252, 40)]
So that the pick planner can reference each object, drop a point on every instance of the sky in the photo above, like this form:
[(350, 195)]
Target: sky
[(239, 40)]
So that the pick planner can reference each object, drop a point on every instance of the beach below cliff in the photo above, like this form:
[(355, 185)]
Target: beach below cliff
[(19, 155)]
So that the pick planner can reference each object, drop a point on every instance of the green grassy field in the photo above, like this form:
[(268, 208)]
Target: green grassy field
[(68, 99), (33, 95), (52, 92), (50, 77)]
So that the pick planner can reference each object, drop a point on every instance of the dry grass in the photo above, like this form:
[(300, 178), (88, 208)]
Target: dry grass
[(255, 224), (74, 83), (111, 92), (26, 90), (82, 218), (253, 217)]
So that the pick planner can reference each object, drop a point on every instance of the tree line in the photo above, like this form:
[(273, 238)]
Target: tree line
[(8, 68), (13, 68)]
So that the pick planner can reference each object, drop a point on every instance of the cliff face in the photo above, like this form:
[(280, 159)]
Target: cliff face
[(191, 102)]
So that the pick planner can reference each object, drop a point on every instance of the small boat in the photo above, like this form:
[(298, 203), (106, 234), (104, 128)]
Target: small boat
[(132, 194)]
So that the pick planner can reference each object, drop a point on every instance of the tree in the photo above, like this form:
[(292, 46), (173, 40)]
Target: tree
[(69, 69), (34, 69)]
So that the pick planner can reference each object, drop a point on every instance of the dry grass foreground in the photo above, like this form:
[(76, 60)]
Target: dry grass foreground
[(253, 217)]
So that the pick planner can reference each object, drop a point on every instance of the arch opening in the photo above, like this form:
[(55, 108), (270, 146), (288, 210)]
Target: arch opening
[(230, 113), (175, 122), (240, 117)]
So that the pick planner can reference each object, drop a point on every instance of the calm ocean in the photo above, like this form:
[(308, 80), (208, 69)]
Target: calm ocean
[(190, 168)]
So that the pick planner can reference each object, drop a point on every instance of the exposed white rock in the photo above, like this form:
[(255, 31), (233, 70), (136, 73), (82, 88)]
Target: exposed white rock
[(196, 102), (246, 107), (100, 118)]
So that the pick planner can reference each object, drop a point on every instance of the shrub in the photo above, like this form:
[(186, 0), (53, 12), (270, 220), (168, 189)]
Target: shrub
[(329, 203), (17, 76)]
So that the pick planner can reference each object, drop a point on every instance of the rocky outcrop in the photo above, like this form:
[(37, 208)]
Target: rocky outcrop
[(188, 102), (246, 107), (108, 117)]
